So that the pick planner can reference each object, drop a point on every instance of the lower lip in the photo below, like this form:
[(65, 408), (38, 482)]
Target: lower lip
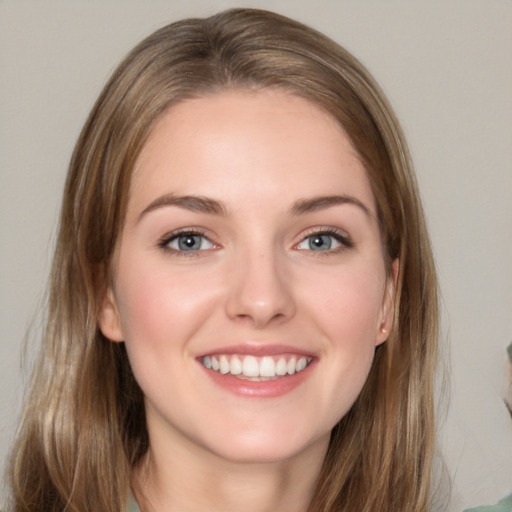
[(260, 389)]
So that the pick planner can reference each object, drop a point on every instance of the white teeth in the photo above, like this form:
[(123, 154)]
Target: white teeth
[(291, 366), (254, 367), (236, 366), (224, 365), (301, 364), (267, 367), (281, 367), (250, 367)]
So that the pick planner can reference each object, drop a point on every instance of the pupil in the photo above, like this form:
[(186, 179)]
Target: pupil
[(320, 242), (188, 242)]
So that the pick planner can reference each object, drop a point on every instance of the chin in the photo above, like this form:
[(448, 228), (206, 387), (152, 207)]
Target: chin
[(265, 447)]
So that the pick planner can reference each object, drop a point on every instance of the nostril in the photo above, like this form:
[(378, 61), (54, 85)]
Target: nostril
[(258, 293)]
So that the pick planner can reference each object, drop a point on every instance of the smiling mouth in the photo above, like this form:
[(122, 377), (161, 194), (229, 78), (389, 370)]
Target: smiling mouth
[(250, 367)]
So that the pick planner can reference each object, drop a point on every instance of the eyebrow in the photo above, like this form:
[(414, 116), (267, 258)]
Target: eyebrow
[(314, 204), (202, 204), (198, 204)]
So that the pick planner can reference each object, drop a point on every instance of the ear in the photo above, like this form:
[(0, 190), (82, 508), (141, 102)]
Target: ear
[(109, 319), (388, 305)]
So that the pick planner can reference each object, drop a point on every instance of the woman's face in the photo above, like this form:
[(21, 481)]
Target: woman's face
[(250, 287)]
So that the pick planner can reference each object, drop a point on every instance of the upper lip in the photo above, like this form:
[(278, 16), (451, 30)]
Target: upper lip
[(258, 349)]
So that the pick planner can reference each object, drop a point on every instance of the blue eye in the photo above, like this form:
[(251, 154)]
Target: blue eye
[(187, 242), (320, 242), (325, 241)]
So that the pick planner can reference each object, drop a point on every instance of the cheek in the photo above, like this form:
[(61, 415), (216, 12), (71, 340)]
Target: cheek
[(160, 309), (348, 303), (347, 310)]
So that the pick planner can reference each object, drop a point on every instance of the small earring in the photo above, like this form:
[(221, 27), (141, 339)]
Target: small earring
[(383, 330)]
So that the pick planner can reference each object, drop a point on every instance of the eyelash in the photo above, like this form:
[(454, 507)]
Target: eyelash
[(167, 239), (342, 238)]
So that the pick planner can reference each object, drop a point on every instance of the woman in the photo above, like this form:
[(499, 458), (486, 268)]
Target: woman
[(243, 305)]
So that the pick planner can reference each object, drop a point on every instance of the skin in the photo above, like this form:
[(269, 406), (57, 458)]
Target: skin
[(256, 281)]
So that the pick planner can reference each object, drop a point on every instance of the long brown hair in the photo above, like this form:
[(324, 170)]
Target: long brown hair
[(83, 427)]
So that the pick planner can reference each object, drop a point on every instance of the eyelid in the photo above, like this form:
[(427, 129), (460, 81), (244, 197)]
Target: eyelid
[(341, 236), (165, 240)]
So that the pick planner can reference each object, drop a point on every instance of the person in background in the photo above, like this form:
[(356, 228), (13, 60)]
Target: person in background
[(504, 505)]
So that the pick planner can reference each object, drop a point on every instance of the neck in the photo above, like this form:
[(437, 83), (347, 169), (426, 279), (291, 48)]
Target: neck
[(191, 479)]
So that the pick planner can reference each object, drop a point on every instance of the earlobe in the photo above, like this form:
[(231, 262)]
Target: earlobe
[(388, 305), (108, 319)]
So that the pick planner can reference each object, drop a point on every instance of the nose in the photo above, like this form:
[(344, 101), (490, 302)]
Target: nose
[(259, 291)]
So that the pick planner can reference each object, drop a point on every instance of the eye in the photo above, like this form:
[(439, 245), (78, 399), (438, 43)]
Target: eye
[(186, 241), (325, 240)]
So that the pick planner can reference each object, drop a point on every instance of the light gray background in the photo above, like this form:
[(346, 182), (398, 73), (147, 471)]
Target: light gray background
[(446, 67)]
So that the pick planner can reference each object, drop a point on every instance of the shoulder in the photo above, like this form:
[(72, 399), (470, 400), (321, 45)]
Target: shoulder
[(505, 505), (132, 505)]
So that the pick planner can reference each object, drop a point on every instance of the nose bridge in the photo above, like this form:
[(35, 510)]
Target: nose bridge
[(258, 287)]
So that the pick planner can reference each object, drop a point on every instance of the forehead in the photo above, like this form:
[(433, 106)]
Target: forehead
[(236, 143)]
